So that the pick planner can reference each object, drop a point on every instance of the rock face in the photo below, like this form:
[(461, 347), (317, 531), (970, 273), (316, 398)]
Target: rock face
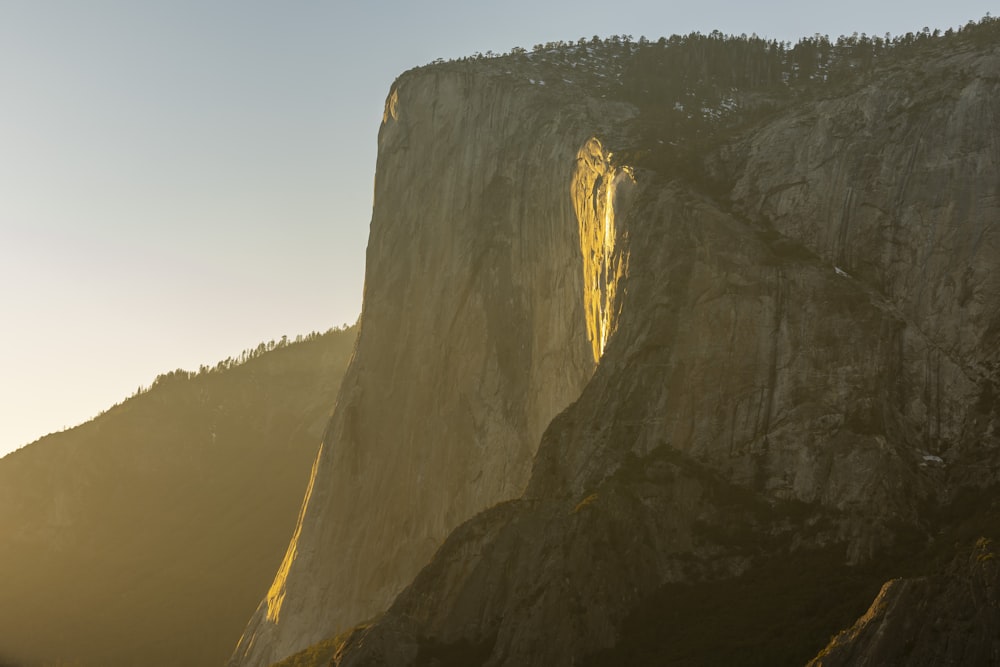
[(798, 352), (896, 186), (947, 619), (474, 335)]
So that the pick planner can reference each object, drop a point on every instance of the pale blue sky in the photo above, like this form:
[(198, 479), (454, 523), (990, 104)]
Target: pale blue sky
[(180, 180)]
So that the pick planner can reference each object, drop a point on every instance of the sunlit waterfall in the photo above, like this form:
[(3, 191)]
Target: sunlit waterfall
[(595, 189)]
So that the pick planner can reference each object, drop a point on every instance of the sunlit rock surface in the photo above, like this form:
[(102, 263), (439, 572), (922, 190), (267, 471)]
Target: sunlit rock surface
[(474, 335)]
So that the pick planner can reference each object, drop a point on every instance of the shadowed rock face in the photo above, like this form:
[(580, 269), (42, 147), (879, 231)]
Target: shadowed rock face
[(473, 337), (896, 185), (803, 359)]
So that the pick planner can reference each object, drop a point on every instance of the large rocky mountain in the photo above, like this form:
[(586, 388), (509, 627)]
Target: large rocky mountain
[(686, 348), (145, 536)]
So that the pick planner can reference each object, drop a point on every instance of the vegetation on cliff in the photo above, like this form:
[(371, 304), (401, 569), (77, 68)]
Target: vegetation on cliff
[(694, 90)]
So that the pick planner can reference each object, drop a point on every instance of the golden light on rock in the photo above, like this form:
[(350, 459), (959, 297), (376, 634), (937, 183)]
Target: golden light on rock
[(276, 594), (597, 188)]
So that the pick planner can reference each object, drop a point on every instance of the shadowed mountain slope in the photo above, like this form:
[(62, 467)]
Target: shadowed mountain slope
[(145, 536)]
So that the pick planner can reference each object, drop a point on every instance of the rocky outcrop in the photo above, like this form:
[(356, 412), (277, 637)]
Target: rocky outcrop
[(945, 619), (474, 335), (802, 356), (895, 186)]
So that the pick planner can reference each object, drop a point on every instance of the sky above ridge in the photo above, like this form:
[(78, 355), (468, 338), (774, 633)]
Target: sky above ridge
[(180, 180)]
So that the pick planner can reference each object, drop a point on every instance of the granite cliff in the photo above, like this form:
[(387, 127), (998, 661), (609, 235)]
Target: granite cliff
[(721, 352), (473, 337)]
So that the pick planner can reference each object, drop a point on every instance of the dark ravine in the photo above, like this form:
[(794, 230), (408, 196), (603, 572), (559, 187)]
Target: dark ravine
[(795, 314)]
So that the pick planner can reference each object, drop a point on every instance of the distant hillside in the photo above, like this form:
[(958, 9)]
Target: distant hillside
[(147, 535)]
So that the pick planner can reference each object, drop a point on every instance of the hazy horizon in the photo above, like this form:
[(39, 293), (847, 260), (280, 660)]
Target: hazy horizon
[(179, 182)]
